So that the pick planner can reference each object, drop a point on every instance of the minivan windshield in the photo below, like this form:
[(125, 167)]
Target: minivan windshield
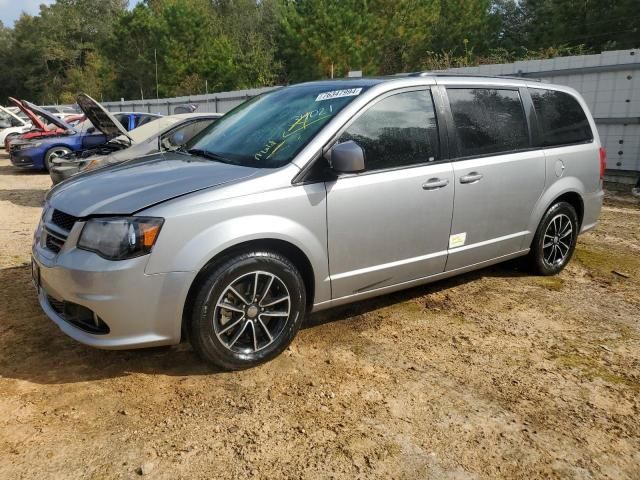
[(269, 130)]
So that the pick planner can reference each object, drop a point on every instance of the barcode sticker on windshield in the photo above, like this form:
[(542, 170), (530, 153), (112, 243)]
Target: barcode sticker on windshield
[(348, 92)]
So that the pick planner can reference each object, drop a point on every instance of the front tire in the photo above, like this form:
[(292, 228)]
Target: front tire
[(53, 153), (247, 310), (555, 240)]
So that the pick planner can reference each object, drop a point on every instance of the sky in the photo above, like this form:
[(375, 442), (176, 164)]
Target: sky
[(10, 10)]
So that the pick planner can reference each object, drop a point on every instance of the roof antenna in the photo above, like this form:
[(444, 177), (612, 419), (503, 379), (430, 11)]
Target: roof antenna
[(155, 59)]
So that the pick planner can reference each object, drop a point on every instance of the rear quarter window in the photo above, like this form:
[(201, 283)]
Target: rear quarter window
[(488, 121), (561, 119)]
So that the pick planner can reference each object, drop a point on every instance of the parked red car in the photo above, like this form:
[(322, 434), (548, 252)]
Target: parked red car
[(56, 126)]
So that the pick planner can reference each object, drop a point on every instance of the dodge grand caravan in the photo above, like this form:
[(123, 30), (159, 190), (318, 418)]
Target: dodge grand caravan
[(312, 196)]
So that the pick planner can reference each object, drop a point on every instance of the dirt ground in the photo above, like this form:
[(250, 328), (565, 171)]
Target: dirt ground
[(495, 374)]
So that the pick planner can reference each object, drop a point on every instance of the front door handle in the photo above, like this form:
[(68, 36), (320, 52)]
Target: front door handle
[(473, 177), (435, 183)]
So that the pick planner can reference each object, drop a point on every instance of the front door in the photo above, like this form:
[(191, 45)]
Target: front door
[(498, 177), (390, 224)]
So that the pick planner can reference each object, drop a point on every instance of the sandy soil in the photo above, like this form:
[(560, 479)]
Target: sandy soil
[(494, 374)]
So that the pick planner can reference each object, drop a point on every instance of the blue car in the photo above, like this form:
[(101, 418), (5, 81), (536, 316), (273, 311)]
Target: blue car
[(99, 128)]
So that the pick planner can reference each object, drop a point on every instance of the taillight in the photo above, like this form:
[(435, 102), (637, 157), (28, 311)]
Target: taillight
[(603, 162)]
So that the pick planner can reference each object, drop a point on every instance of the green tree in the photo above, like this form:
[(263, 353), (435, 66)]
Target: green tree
[(380, 36), (597, 24), (67, 36), (188, 42), (252, 27)]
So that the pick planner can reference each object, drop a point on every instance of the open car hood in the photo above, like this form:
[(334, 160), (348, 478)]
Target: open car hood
[(48, 116), (100, 117), (35, 121), (12, 115)]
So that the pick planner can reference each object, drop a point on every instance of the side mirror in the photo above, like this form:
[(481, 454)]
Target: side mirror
[(347, 157), (177, 138)]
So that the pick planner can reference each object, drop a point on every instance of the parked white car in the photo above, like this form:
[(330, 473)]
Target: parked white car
[(11, 125)]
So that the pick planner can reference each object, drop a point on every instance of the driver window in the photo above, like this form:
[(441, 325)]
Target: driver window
[(398, 131)]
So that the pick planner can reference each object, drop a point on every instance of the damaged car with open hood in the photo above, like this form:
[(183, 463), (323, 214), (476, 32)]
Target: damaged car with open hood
[(99, 127), (160, 135), (43, 123)]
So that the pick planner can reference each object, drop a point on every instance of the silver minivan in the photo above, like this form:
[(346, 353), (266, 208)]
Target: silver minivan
[(312, 196)]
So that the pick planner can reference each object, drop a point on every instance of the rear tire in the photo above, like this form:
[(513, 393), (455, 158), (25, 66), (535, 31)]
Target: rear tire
[(247, 310), (52, 153), (555, 240)]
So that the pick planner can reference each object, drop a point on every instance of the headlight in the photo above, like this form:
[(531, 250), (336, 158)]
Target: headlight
[(118, 238), (23, 146)]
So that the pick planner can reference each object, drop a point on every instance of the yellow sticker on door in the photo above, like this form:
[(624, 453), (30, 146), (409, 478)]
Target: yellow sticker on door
[(457, 240)]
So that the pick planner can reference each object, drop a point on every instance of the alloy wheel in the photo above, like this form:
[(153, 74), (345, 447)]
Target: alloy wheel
[(557, 240), (252, 312), (55, 153)]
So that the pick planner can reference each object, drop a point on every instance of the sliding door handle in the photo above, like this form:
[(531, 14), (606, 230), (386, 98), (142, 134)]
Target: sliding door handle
[(473, 177)]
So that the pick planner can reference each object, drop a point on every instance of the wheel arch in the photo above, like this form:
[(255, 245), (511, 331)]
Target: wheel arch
[(569, 189), (283, 247), (575, 200)]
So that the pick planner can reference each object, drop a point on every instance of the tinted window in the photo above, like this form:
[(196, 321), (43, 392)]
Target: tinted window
[(488, 120), (560, 117), (397, 131)]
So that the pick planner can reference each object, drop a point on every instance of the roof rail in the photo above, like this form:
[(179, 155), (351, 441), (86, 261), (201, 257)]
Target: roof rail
[(443, 73)]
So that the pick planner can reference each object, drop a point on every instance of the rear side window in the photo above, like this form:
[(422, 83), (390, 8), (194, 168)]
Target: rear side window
[(488, 120), (560, 117), (398, 131)]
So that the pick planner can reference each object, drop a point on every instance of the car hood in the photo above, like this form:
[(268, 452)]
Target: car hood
[(48, 116), (35, 121), (12, 115), (99, 117), (137, 184)]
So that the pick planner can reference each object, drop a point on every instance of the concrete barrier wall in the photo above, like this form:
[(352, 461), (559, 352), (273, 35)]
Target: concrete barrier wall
[(214, 102)]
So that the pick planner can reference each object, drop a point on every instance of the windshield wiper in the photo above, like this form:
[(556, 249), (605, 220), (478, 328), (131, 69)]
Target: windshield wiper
[(206, 154)]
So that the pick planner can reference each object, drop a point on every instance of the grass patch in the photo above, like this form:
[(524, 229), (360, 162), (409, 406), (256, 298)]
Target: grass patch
[(603, 262), (591, 369), (550, 283)]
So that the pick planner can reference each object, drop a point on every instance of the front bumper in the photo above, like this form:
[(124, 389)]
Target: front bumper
[(140, 310), (24, 160)]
